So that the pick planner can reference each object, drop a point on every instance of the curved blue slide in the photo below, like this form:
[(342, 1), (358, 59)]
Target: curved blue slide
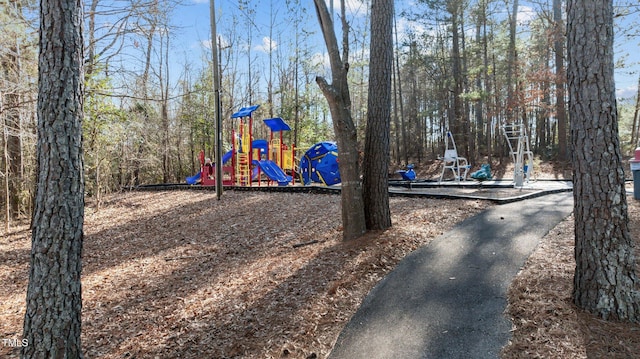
[(227, 157), (194, 179), (273, 171)]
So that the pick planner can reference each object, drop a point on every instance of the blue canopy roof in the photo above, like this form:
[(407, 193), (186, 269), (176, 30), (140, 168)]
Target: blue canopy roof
[(277, 124), (261, 144), (245, 111)]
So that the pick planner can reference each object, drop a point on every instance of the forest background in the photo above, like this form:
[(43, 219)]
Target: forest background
[(461, 65)]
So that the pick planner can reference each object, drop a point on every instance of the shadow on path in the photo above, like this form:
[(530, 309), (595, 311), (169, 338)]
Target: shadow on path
[(447, 299)]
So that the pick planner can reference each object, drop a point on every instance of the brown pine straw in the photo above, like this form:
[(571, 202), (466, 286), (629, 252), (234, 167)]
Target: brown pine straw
[(546, 322)]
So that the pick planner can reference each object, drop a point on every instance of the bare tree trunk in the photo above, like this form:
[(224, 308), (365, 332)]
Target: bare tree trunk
[(459, 126), (478, 106), (396, 119), (636, 112), (52, 320), (558, 45), (337, 95), (487, 82), (10, 73), (164, 108), (14, 152), (91, 50), (512, 112), (397, 94), (7, 191), (605, 281), (376, 152)]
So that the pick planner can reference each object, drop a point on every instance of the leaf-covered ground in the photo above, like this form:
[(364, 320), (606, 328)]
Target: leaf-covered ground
[(265, 275), (546, 322), (255, 275)]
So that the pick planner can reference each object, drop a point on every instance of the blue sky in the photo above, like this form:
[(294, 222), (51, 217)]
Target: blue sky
[(193, 20)]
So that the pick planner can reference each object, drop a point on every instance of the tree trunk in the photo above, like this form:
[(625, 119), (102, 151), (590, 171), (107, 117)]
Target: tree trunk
[(512, 113), (487, 82), (10, 74), (605, 282), (459, 125), (376, 152), (53, 313), (636, 112), (558, 45), (164, 108), (337, 95), (7, 191), (14, 150), (478, 105)]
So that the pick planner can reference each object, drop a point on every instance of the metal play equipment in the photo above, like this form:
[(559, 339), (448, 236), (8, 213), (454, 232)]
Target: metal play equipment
[(518, 140), (458, 165)]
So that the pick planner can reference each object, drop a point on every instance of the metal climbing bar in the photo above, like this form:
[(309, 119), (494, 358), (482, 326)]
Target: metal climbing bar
[(518, 140)]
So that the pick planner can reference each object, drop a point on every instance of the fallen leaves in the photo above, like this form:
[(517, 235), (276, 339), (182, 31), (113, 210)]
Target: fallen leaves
[(182, 275), (546, 322)]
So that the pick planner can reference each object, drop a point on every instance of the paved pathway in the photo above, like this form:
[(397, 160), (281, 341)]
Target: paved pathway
[(447, 299)]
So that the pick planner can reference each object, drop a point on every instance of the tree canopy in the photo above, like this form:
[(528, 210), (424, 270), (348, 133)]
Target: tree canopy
[(464, 66)]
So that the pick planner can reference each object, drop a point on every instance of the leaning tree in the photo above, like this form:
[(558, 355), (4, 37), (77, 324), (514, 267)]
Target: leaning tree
[(338, 98)]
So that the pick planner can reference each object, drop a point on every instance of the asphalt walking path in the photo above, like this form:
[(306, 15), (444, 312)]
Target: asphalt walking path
[(447, 300)]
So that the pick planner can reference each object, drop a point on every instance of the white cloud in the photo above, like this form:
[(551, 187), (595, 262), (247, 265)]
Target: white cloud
[(320, 60), (223, 43), (525, 15), (356, 7), (405, 26), (627, 92), (267, 45)]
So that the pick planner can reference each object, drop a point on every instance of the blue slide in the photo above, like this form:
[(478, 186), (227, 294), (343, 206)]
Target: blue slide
[(227, 157), (273, 171), (194, 179)]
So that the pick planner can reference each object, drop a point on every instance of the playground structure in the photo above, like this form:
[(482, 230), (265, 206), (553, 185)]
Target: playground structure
[(250, 159), (458, 165), (518, 140), (273, 159), (206, 176), (320, 164)]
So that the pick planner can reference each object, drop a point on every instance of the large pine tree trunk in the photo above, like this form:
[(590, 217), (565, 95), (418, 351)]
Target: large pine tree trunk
[(605, 282), (52, 319), (376, 153)]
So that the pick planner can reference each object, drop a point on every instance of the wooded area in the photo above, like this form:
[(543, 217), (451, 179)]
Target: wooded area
[(112, 116), (460, 65)]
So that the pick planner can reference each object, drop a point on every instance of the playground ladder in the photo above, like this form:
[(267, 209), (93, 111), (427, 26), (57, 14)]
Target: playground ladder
[(518, 140), (243, 173)]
